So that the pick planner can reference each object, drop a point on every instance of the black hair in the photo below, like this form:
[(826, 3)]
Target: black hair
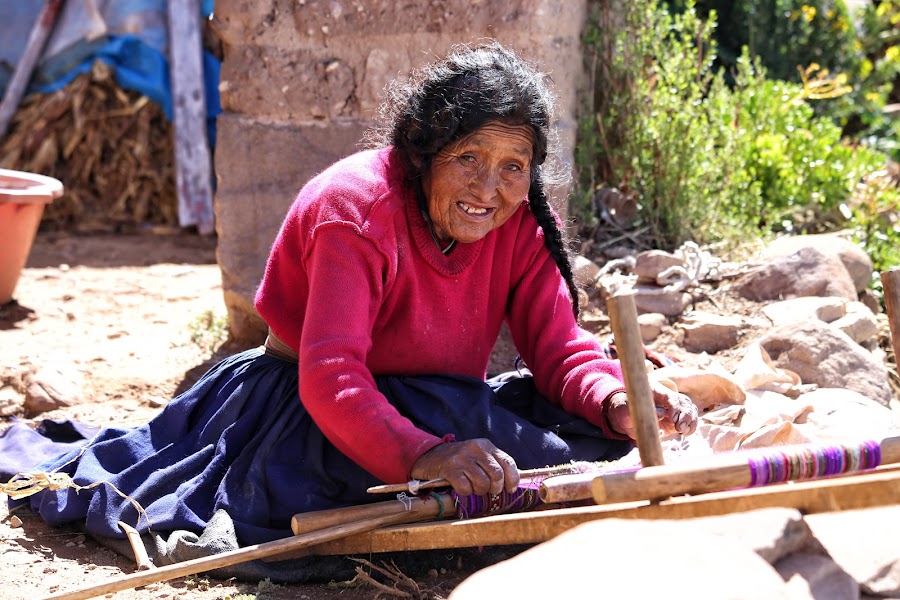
[(455, 97)]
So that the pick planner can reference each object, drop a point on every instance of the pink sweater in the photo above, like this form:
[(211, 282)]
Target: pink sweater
[(356, 285)]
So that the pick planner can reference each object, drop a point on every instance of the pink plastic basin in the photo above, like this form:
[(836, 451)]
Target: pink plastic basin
[(22, 199)]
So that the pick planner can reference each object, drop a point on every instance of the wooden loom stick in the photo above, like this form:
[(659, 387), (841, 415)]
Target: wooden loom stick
[(720, 472), (890, 283), (414, 509), (875, 488), (396, 488), (224, 559), (137, 546), (630, 349)]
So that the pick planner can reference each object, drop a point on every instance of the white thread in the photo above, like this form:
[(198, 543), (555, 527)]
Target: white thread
[(413, 486), (405, 500)]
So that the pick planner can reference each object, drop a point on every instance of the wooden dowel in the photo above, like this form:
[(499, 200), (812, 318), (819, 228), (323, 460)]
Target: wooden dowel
[(224, 559), (728, 471), (414, 509), (890, 284), (567, 488), (396, 488), (137, 546), (630, 349)]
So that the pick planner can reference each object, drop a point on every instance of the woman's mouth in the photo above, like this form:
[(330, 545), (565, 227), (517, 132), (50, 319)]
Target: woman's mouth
[(475, 211)]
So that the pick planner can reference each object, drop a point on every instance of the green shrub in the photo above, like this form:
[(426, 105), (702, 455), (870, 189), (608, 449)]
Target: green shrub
[(707, 161)]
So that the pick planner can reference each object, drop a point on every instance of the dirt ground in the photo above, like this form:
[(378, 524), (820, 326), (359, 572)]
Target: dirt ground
[(138, 317)]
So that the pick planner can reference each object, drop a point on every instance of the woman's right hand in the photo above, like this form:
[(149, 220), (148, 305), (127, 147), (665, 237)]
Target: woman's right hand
[(472, 467)]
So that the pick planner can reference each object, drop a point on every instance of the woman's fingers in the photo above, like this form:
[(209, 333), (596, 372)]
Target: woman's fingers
[(680, 414), (471, 467)]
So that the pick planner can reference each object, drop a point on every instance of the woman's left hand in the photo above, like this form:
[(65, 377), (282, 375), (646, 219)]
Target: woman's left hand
[(676, 412)]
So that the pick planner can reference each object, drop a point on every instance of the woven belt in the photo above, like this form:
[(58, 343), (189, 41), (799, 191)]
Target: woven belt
[(278, 349)]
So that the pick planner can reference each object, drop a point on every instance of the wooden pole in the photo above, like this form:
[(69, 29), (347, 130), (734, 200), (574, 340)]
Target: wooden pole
[(630, 348), (878, 488), (720, 472), (137, 546), (37, 39), (193, 168), (890, 283), (414, 509), (232, 557)]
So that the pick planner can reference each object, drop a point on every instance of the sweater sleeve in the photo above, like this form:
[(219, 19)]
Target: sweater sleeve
[(346, 284), (568, 364)]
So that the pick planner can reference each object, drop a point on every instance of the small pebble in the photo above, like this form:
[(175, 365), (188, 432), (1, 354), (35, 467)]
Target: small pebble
[(15, 521)]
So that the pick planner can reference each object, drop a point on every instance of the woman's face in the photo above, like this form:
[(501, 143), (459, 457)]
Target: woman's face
[(476, 183)]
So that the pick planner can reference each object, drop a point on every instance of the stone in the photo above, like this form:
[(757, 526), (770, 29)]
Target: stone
[(584, 270), (54, 385), (648, 299), (631, 559), (859, 323), (651, 325), (807, 272), (820, 575), (825, 309), (866, 544), (858, 264), (707, 332), (649, 264), (822, 355)]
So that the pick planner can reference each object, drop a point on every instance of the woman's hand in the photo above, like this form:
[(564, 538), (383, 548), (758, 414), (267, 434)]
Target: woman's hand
[(472, 467), (676, 412)]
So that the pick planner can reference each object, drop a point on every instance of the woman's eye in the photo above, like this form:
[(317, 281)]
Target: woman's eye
[(467, 158)]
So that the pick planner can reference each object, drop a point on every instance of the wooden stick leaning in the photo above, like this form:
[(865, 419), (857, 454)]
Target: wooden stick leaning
[(630, 349), (232, 557), (890, 282)]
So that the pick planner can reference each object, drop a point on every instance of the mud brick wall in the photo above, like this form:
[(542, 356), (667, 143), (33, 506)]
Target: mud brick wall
[(301, 81)]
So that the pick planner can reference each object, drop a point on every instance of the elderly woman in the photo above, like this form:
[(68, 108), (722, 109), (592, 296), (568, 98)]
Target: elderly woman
[(385, 291)]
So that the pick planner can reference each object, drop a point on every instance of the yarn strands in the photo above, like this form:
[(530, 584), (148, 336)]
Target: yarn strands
[(812, 463)]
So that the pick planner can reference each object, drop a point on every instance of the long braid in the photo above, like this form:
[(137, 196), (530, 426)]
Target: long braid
[(553, 237)]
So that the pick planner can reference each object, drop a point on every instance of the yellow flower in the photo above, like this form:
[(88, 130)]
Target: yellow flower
[(809, 12), (892, 54)]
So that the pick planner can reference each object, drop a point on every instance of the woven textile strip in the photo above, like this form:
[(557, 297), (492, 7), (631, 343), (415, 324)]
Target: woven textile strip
[(522, 499), (812, 462)]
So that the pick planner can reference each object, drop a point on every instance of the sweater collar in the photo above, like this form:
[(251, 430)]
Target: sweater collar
[(454, 262)]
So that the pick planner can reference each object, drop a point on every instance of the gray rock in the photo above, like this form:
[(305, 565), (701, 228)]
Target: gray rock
[(825, 309), (866, 544), (651, 325), (54, 385), (807, 272), (820, 575), (827, 357), (707, 332), (620, 558), (855, 260)]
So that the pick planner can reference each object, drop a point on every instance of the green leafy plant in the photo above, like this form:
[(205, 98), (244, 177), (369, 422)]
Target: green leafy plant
[(711, 160), (209, 330)]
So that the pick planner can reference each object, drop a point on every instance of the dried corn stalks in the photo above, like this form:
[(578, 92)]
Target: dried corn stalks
[(112, 149)]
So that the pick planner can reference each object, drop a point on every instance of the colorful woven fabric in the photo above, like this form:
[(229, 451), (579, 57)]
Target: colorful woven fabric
[(810, 462)]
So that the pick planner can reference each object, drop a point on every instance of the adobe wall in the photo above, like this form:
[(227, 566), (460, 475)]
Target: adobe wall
[(300, 83)]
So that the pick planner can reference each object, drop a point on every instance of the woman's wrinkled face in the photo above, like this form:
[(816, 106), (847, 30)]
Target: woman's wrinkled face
[(476, 183)]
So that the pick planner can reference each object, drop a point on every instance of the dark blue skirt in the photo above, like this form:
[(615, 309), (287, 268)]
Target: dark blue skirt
[(241, 440)]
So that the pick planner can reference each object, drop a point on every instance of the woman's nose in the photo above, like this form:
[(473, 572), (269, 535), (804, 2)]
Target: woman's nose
[(485, 183)]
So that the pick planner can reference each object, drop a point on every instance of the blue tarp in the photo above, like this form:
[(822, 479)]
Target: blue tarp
[(128, 35)]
